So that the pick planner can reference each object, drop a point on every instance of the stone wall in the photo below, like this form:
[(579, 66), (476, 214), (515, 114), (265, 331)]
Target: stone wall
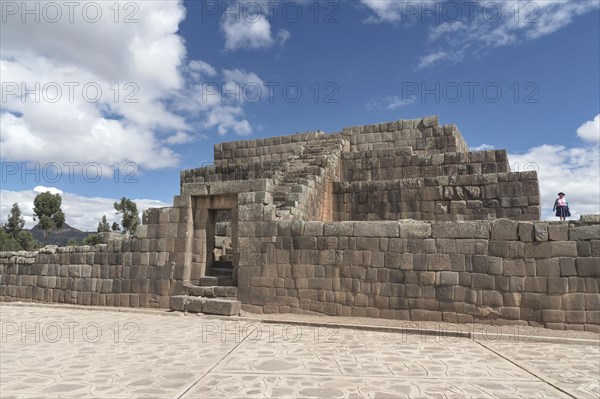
[(111, 274), (424, 136), (402, 163), (291, 249), (263, 150), (502, 271), (466, 197)]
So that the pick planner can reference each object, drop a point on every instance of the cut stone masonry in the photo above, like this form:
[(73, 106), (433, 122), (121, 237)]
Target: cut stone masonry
[(392, 220)]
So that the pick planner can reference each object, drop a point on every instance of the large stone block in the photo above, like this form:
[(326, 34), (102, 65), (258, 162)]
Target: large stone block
[(541, 232), (504, 229), (313, 228), (478, 229), (218, 306), (178, 302), (588, 267), (553, 316), (415, 230), (548, 267), (513, 267), (447, 278), (376, 229), (585, 233), (573, 301), (339, 229), (563, 248), (558, 232), (482, 281)]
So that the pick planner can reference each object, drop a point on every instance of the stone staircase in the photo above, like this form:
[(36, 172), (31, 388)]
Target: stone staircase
[(302, 174), (209, 297)]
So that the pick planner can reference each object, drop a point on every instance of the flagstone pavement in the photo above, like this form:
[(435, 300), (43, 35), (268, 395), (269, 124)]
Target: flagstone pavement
[(56, 352)]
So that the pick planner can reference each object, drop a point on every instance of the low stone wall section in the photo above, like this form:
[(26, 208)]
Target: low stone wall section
[(424, 136), (489, 272), (393, 164), (467, 197)]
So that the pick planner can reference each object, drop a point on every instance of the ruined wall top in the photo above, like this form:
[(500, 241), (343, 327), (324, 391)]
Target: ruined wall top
[(422, 136)]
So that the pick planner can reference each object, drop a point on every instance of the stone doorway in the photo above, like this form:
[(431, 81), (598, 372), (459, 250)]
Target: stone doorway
[(213, 244)]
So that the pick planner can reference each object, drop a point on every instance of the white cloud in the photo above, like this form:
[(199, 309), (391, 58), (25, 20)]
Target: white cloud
[(575, 171), (43, 189), (394, 11), (250, 28), (482, 147), (180, 138), (83, 213), (200, 68), (385, 11), (432, 58), (590, 130), (389, 102), (226, 119), (137, 72), (472, 27), (532, 21), (128, 68), (220, 100)]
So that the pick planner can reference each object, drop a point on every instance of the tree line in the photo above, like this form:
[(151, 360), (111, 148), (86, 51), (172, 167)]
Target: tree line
[(48, 213)]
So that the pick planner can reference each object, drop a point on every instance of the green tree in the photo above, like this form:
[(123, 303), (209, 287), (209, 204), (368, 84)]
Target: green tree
[(26, 241), (103, 225), (12, 235), (91, 239), (72, 243), (46, 207), (115, 227), (129, 213), (8, 242), (15, 221)]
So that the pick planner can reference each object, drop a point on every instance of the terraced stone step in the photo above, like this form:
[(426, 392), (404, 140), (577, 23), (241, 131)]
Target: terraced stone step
[(214, 291), (218, 306)]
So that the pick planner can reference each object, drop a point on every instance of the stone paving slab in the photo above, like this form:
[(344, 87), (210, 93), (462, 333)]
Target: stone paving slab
[(56, 352)]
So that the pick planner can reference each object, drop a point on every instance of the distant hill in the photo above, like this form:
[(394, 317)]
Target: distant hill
[(60, 237)]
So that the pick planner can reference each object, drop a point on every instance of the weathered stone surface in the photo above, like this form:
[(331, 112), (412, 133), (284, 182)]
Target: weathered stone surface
[(585, 233), (460, 230), (541, 232), (415, 230), (178, 302), (376, 229), (225, 307), (195, 304), (588, 267), (590, 218), (339, 229), (504, 229), (558, 232)]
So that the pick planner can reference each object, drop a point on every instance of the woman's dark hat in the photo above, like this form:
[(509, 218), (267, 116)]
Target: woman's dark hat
[(561, 193)]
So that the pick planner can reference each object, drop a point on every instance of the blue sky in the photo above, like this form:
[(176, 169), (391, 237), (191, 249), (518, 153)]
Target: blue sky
[(354, 62)]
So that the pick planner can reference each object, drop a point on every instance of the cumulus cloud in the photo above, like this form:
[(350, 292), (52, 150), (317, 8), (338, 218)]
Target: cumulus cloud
[(118, 88), (574, 170), (249, 28), (459, 29), (91, 85), (387, 11), (81, 212), (219, 98), (590, 131)]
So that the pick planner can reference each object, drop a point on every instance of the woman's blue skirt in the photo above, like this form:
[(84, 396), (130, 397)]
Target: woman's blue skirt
[(562, 211)]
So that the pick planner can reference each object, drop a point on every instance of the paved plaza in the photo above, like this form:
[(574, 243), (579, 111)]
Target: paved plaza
[(55, 352)]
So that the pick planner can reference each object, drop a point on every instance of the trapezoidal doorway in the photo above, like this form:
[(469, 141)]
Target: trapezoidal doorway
[(214, 245)]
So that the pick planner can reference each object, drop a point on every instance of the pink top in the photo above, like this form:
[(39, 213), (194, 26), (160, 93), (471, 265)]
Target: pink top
[(561, 202)]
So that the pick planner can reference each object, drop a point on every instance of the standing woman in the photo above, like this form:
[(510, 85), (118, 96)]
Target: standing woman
[(561, 206)]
